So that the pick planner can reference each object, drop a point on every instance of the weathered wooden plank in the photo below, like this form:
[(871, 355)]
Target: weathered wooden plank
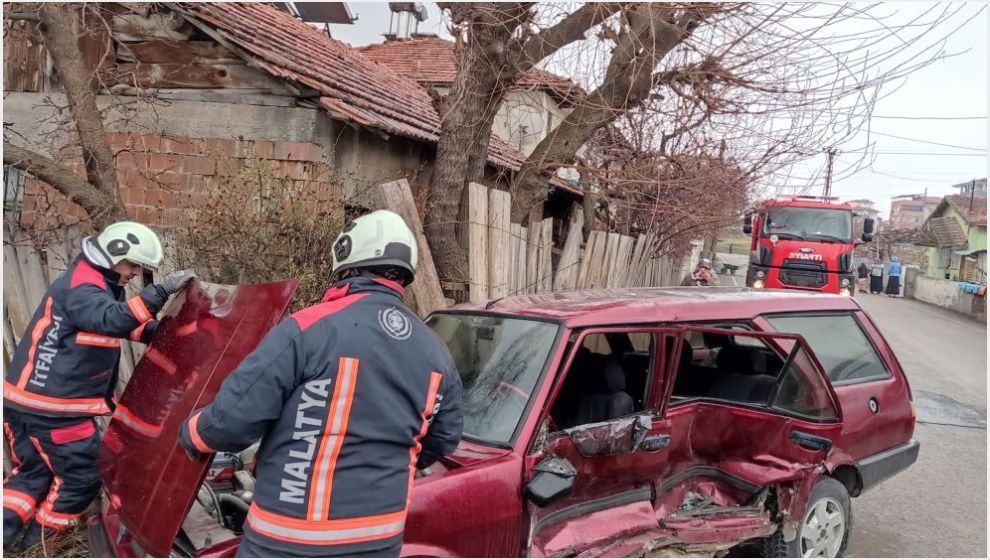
[(533, 257), (611, 252), (478, 241), (596, 262), (622, 261), (522, 258), (32, 271), (60, 253), (136, 27), (164, 51), (24, 56), (568, 266), (14, 300), (194, 76), (635, 262), (513, 260), (546, 256), (499, 238), (397, 197)]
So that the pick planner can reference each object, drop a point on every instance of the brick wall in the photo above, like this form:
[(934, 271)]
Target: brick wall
[(164, 179)]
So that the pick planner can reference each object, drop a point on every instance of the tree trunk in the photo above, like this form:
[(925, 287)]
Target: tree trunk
[(60, 28)]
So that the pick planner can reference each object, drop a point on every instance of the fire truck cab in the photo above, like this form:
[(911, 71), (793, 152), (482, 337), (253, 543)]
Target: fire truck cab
[(803, 243)]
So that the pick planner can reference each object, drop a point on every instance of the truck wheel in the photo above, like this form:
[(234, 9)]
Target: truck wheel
[(824, 532)]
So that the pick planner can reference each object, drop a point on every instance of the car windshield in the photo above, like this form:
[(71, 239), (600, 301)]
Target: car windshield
[(809, 224), (500, 361)]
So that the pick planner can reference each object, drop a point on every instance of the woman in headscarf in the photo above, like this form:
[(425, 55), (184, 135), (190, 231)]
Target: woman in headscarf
[(863, 272), (876, 276), (894, 278)]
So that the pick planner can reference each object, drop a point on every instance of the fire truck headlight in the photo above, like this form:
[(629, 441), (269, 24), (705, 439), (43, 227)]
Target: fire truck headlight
[(844, 292), (758, 284), (761, 274), (845, 282)]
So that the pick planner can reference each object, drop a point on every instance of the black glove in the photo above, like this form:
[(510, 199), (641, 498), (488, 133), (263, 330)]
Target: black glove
[(177, 280)]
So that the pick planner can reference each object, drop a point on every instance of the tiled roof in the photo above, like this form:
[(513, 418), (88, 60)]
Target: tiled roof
[(349, 86), (948, 232), (430, 61), (973, 210)]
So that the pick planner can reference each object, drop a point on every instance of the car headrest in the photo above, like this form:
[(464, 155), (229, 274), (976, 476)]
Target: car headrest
[(686, 357), (737, 359), (713, 340), (613, 376)]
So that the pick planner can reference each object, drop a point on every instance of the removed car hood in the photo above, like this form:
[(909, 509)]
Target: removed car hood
[(210, 328)]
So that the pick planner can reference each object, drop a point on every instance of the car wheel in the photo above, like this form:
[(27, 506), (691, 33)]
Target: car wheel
[(824, 531)]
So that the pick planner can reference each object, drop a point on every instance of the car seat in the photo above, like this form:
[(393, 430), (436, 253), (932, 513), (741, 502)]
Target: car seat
[(743, 375), (608, 398)]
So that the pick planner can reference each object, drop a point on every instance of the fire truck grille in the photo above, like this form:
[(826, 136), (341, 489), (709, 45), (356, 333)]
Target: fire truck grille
[(807, 274)]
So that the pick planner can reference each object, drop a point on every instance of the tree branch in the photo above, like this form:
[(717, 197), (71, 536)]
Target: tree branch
[(572, 28), (97, 204), (59, 28)]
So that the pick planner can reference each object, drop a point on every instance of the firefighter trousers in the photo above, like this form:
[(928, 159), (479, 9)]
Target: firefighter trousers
[(55, 475)]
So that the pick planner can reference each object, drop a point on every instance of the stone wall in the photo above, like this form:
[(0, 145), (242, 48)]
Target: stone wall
[(945, 294)]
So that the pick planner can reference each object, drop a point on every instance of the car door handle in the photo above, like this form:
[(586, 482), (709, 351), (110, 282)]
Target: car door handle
[(655, 443), (812, 442)]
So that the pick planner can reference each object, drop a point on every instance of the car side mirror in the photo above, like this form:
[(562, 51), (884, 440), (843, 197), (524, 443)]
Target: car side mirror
[(614, 437), (867, 237), (869, 224), (748, 224), (553, 480)]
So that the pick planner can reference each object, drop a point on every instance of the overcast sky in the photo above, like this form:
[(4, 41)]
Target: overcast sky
[(953, 87)]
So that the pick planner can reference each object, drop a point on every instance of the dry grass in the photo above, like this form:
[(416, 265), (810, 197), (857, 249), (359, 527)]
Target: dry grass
[(75, 544)]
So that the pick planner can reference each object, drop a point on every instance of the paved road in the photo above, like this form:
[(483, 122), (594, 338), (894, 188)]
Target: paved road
[(939, 506)]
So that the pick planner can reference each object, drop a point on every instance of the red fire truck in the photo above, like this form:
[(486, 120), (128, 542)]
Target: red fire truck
[(804, 243)]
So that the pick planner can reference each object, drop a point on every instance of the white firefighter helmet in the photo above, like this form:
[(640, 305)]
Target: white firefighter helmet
[(380, 238), (124, 241)]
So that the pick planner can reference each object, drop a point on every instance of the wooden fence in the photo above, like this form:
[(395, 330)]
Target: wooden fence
[(507, 259)]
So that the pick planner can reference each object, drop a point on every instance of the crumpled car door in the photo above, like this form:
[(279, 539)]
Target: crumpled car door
[(736, 469), (206, 332)]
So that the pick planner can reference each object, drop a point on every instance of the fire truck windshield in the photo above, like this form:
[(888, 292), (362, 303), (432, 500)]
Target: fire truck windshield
[(809, 224)]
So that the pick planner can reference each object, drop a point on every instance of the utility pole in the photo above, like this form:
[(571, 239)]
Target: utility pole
[(828, 170)]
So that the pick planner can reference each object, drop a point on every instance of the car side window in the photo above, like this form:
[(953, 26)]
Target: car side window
[(603, 382), (726, 367), (839, 343)]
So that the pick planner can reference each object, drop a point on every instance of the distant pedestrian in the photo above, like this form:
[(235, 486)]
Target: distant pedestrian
[(863, 270), (876, 276), (894, 278)]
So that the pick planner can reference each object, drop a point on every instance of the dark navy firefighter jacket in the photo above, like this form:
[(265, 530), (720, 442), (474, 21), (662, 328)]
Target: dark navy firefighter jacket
[(348, 397), (66, 362)]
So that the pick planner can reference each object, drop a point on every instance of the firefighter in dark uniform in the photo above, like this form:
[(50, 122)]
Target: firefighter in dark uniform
[(349, 398), (63, 374)]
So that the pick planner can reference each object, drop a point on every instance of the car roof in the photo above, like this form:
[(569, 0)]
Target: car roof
[(624, 306)]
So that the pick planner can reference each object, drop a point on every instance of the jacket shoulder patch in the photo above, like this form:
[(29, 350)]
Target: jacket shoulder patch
[(86, 274), (306, 317)]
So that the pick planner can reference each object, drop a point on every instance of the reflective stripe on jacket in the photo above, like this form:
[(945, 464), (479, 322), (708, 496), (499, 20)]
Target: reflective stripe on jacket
[(66, 362), (348, 397)]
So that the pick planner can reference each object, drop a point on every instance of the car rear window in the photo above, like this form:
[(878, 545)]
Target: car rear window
[(839, 343)]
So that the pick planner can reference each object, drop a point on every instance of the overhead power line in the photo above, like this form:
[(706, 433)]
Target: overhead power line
[(928, 142), (912, 118), (914, 153)]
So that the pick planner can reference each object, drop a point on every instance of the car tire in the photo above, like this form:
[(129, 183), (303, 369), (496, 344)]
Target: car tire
[(829, 494)]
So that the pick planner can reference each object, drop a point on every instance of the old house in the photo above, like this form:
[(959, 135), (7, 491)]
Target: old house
[(956, 233), (195, 92)]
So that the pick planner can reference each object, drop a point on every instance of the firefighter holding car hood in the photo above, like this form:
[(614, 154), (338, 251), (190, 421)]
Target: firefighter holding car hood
[(349, 398), (63, 374)]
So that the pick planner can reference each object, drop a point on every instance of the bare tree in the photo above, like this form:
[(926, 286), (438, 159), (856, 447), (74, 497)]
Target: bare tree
[(757, 86), (99, 195)]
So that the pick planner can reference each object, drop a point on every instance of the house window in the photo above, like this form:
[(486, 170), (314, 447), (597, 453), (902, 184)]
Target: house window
[(13, 191)]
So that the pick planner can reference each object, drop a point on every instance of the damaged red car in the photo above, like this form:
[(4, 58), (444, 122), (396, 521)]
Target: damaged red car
[(601, 423)]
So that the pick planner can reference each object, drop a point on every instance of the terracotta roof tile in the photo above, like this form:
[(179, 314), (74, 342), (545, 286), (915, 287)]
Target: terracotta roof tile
[(350, 86), (973, 210), (948, 232), (430, 61)]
